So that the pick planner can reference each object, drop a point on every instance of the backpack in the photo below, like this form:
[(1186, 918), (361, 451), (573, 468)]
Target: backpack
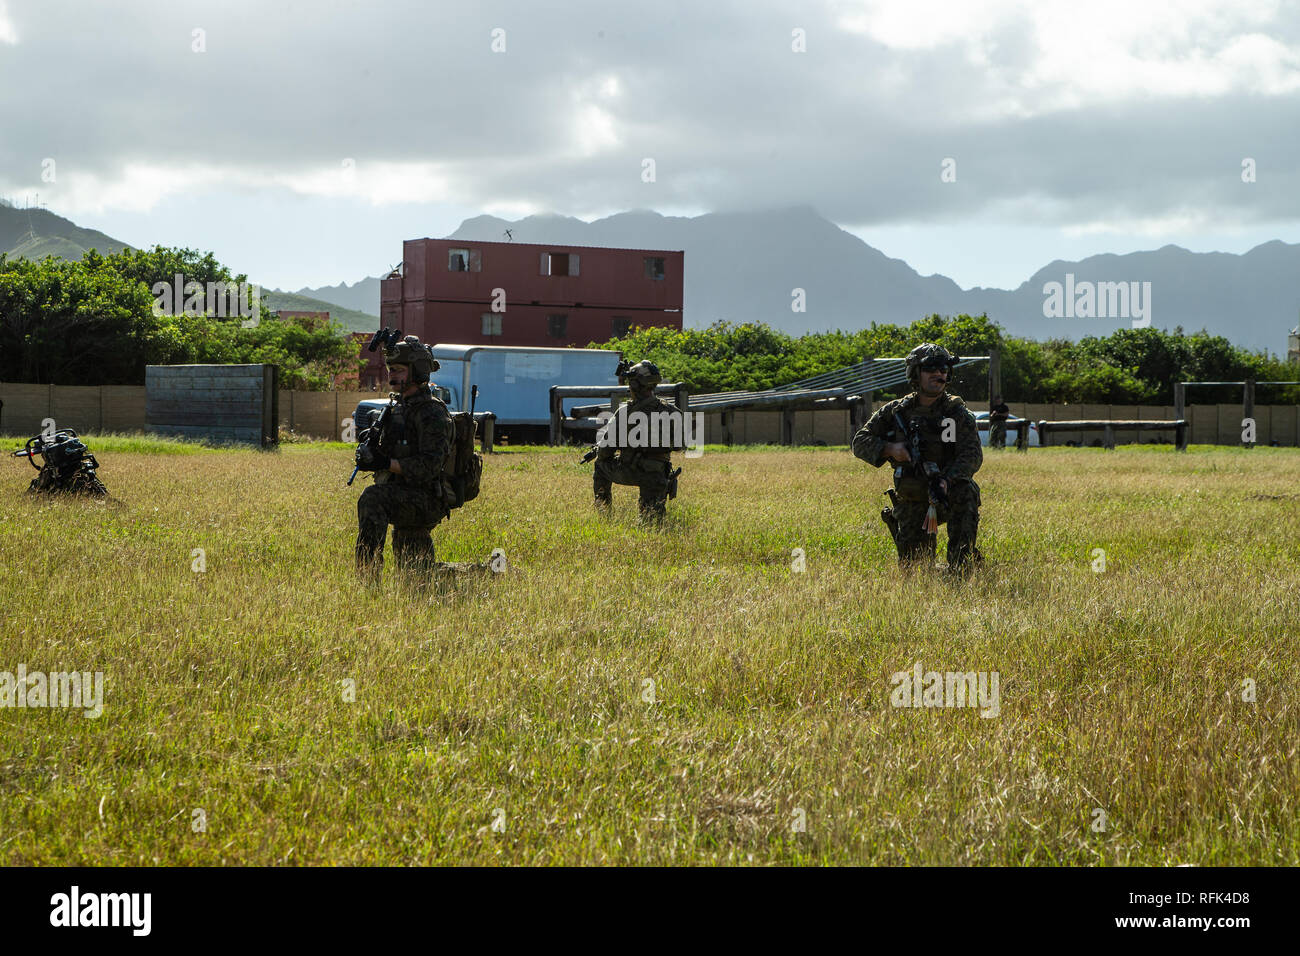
[(463, 469)]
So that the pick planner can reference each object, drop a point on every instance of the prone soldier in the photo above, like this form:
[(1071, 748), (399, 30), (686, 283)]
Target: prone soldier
[(940, 488)]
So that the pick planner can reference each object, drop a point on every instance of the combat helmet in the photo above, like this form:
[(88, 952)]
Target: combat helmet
[(930, 357), (411, 353), (643, 376)]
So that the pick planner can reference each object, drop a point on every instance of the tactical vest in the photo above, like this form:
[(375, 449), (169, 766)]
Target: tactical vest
[(393, 441), (933, 447), (648, 406)]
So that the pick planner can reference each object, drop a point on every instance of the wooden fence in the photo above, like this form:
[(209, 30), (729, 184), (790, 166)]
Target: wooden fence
[(1207, 424), (121, 408)]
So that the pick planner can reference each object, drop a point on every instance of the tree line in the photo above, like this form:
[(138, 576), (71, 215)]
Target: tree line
[(1127, 367), (94, 322)]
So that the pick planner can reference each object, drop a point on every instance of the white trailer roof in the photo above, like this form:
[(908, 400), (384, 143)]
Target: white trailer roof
[(461, 352)]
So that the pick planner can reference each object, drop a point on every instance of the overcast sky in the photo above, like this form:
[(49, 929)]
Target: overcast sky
[(302, 142)]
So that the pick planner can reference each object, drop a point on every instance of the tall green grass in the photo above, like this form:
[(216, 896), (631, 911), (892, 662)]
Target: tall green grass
[(627, 695)]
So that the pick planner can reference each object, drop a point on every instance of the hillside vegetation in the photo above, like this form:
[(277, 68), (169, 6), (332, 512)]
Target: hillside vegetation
[(36, 233), (348, 319)]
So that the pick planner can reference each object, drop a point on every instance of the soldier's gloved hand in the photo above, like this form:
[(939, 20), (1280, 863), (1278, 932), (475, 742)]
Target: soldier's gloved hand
[(897, 451), (370, 460)]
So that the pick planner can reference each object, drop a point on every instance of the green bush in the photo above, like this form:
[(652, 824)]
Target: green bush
[(92, 322), (1130, 366)]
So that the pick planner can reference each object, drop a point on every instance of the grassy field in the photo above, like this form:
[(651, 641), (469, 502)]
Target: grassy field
[(621, 695)]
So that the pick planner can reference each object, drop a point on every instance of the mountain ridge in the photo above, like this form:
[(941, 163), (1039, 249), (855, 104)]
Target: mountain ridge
[(36, 232), (746, 266)]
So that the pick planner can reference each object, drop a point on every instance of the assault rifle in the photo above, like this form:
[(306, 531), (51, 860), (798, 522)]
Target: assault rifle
[(368, 447), (620, 372), (595, 449), (926, 471)]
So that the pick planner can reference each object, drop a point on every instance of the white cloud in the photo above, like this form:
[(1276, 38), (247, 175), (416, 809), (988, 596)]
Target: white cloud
[(136, 187), (594, 121), (1029, 57), (922, 24), (513, 210), (593, 130), (1181, 222), (140, 187), (375, 182), (8, 34), (1088, 115)]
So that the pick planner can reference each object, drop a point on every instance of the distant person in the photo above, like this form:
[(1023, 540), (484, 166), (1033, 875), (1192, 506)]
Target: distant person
[(998, 415), (647, 463), (408, 454), (951, 454)]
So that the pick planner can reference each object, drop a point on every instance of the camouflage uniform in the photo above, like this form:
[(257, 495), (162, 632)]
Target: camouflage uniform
[(649, 467), (418, 435), (958, 461)]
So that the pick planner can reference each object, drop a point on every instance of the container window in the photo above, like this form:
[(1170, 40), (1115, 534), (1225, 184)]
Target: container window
[(457, 260), (654, 267), (559, 264), (491, 323), (557, 326), (619, 326)]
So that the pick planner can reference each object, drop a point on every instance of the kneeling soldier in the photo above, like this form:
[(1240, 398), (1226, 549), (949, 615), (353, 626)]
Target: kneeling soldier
[(406, 449), (635, 450), (949, 442)]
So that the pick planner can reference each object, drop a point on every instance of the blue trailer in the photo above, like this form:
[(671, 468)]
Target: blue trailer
[(514, 383)]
